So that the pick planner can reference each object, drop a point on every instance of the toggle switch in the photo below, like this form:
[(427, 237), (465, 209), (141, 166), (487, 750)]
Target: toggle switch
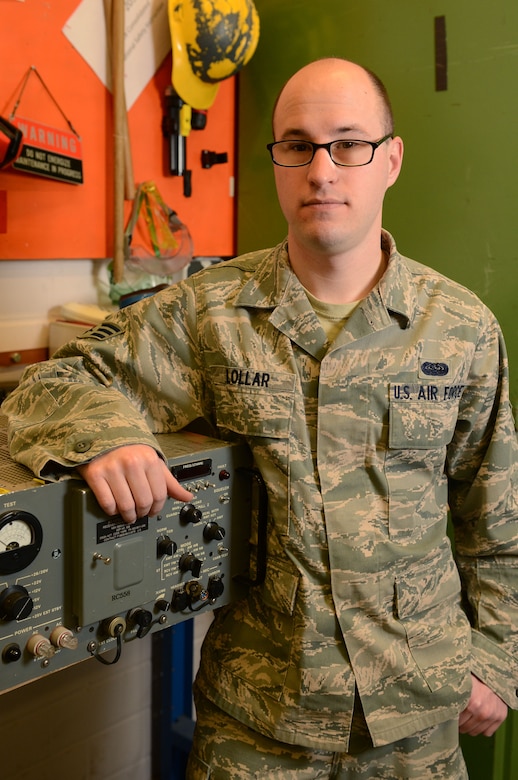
[(104, 558)]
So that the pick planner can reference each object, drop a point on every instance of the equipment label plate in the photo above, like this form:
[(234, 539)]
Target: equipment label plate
[(110, 530)]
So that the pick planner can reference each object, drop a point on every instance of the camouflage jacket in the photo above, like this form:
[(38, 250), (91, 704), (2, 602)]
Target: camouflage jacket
[(363, 444)]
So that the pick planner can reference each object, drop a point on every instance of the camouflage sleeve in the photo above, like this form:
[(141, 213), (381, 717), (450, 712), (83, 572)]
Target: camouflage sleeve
[(483, 478), (133, 376)]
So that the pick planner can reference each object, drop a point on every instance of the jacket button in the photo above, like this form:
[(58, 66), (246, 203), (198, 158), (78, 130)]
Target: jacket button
[(82, 446)]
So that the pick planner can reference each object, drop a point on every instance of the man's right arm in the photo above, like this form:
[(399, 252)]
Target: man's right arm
[(135, 375)]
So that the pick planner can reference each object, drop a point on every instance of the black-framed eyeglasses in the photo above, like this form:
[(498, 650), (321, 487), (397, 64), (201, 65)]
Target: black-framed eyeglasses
[(350, 153)]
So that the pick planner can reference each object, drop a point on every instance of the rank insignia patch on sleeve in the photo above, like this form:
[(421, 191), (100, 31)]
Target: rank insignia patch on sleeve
[(102, 332)]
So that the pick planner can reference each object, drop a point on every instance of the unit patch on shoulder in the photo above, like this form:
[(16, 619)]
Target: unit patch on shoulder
[(102, 332)]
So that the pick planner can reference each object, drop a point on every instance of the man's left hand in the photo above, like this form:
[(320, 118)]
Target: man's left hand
[(485, 711)]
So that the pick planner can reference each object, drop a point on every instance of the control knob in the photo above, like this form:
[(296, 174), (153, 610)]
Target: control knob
[(213, 531), (15, 603), (190, 514), (166, 546), (189, 562)]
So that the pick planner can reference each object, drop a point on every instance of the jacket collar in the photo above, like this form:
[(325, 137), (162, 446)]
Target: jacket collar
[(275, 287), (397, 287)]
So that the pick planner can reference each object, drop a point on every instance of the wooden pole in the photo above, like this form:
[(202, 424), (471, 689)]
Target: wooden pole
[(119, 134), (129, 181)]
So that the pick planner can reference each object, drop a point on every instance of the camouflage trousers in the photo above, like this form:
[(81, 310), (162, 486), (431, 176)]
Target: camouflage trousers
[(224, 749)]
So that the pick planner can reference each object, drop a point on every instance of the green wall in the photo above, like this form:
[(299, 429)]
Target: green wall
[(454, 206)]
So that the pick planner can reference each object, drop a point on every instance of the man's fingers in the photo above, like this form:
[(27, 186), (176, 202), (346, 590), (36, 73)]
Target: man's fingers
[(132, 481), (175, 490)]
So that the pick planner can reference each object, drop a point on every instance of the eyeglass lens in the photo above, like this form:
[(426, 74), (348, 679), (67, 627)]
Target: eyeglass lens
[(293, 153)]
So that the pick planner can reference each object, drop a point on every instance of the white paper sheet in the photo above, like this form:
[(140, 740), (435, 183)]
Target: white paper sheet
[(147, 40)]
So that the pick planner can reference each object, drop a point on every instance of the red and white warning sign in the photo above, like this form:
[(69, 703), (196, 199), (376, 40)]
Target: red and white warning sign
[(49, 152)]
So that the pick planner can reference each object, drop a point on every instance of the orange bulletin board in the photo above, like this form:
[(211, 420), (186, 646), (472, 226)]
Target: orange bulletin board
[(45, 219)]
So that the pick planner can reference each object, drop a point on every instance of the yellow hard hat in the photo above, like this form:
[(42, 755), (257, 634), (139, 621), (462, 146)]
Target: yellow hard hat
[(211, 41)]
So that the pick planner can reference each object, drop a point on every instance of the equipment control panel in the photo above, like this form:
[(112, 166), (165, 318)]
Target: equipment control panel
[(75, 583)]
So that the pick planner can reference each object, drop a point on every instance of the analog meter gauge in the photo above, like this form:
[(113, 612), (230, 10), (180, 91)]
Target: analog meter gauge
[(20, 540)]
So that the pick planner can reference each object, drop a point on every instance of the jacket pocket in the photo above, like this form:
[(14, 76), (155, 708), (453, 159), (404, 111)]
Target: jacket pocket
[(437, 630), (280, 587), (253, 402), (252, 639), (421, 425), (419, 432), (257, 405)]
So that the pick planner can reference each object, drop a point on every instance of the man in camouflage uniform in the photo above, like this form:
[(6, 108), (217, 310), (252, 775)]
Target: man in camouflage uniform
[(373, 393)]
